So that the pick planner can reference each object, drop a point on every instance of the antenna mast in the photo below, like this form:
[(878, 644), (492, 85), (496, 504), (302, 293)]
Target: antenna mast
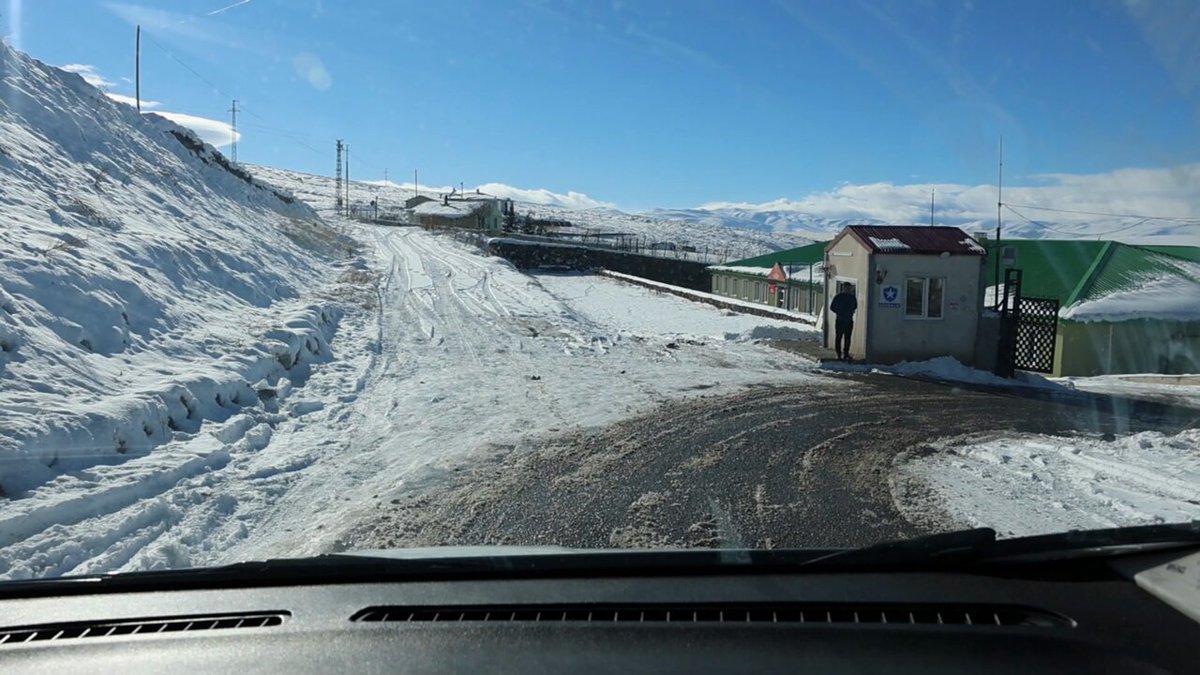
[(931, 191), (338, 185), (137, 69), (233, 130)]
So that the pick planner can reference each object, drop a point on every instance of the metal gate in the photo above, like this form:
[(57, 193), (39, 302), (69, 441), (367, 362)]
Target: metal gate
[(1028, 329), (1037, 329)]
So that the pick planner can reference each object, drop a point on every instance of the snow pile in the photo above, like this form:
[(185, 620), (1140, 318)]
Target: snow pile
[(1183, 390), (774, 332), (150, 291), (946, 368), (1033, 484)]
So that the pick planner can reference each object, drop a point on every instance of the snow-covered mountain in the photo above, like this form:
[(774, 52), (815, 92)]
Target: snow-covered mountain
[(147, 287), (1132, 205)]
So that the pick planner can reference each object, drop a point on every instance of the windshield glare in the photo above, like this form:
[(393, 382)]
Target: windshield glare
[(283, 279)]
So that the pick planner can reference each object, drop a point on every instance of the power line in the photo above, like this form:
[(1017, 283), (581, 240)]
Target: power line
[(191, 70), (1074, 234), (295, 137), (1110, 215)]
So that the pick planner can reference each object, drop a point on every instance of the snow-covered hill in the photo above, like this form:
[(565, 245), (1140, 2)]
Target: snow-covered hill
[(147, 288), (728, 238)]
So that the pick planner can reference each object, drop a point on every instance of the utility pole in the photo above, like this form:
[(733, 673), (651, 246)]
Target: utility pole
[(338, 185), (385, 175), (931, 191), (999, 203), (347, 179), (233, 130), (137, 69), (416, 190)]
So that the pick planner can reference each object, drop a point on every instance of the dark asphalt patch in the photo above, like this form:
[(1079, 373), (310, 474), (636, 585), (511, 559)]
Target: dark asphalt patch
[(771, 467)]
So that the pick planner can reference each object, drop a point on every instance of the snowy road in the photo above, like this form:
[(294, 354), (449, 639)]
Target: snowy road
[(441, 357), (791, 466)]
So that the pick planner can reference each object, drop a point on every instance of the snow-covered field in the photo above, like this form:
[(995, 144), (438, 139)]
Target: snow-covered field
[(1027, 485)]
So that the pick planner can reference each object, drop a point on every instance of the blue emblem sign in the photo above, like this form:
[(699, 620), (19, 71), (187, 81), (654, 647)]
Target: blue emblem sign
[(890, 296)]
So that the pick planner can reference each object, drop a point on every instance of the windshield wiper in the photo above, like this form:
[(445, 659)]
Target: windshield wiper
[(980, 546)]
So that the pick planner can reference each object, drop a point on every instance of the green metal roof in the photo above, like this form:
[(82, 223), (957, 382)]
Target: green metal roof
[(1191, 253), (809, 254), (1050, 268), (1079, 270)]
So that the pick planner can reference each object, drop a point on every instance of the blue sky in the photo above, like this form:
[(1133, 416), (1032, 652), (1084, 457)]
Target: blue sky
[(663, 103)]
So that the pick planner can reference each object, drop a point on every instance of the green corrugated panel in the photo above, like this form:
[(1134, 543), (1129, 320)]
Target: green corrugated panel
[(1131, 266), (1191, 253), (1050, 268), (1089, 277), (804, 255)]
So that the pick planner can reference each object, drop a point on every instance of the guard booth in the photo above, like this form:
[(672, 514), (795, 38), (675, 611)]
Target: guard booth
[(920, 291)]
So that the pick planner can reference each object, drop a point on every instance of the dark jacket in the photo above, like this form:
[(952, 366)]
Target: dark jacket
[(844, 305)]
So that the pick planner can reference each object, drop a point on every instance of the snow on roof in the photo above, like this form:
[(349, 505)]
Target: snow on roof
[(973, 245), (455, 209), (889, 244), (918, 239), (1166, 297)]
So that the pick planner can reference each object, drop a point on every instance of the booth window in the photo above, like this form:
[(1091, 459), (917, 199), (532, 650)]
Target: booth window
[(923, 297)]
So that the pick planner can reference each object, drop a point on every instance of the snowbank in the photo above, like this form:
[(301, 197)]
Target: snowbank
[(151, 292), (1033, 484), (946, 368)]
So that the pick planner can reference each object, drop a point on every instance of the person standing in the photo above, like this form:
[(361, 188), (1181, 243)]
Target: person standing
[(843, 307)]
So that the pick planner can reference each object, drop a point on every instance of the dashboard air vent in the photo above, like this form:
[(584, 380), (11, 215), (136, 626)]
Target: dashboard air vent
[(173, 624), (802, 613)]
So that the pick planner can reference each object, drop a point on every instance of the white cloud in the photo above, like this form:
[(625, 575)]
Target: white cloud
[(129, 100), (570, 200), (214, 132), (89, 75)]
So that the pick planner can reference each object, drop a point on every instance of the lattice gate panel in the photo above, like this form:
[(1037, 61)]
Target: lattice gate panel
[(1036, 333)]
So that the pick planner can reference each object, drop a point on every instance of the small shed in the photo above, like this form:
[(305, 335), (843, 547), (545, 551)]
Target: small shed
[(919, 291), (789, 279)]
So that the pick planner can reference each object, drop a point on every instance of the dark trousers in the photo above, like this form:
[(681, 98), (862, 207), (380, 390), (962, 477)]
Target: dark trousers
[(842, 331)]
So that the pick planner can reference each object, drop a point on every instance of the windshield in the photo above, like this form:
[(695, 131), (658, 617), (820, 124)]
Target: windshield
[(289, 278)]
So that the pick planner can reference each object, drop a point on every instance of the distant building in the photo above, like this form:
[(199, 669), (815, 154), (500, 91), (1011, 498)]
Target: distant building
[(790, 279), (919, 291), (414, 202), (475, 211), (1125, 309)]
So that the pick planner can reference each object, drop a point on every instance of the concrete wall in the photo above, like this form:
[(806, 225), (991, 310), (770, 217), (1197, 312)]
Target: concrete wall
[(1083, 349), (526, 255), (892, 336), (848, 260)]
